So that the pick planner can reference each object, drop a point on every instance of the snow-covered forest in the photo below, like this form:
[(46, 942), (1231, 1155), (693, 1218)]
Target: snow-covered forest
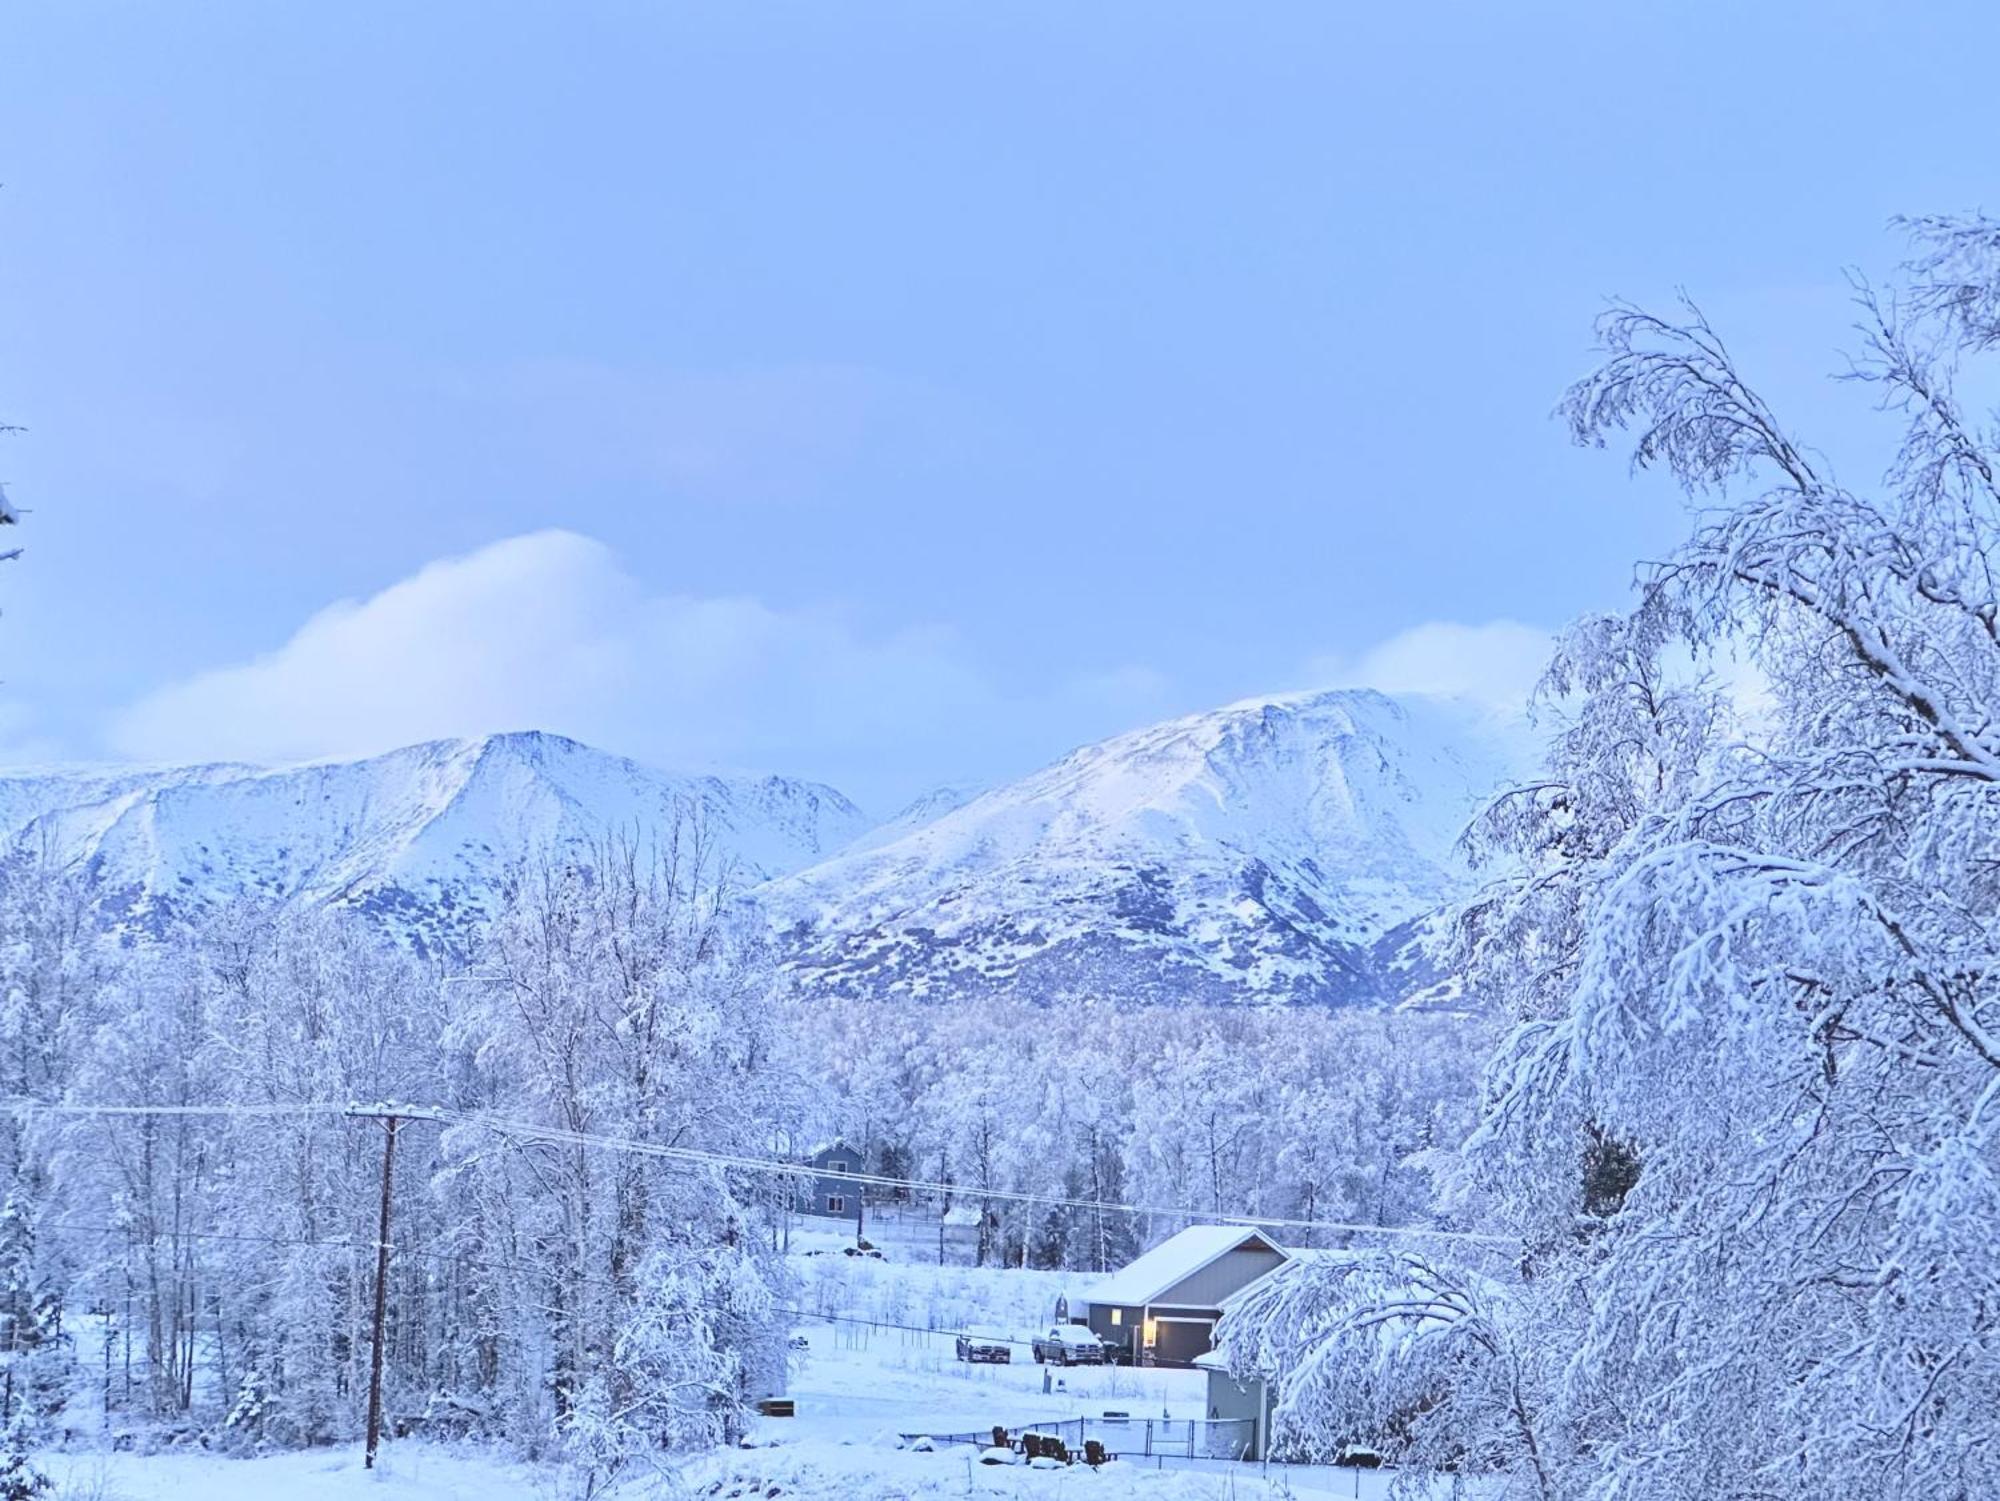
[(212, 1272)]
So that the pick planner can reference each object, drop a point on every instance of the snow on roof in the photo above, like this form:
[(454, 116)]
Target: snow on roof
[(1173, 1260)]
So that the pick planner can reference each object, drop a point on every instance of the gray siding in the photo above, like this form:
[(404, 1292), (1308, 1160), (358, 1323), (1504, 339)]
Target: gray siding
[(826, 1191), (1230, 1398), (1228, 1274)]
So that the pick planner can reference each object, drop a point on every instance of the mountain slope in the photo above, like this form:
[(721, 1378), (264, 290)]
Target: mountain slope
[(1283, 849), (423, 837)]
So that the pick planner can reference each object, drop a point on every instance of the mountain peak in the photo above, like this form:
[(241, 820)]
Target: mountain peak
[(1266, 850), (424, 837)]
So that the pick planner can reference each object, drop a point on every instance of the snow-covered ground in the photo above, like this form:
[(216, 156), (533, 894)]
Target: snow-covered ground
[(908, 1288), (820, 1472), (858, 1383), (405, 1472), (858, 1389), (814, 1470)]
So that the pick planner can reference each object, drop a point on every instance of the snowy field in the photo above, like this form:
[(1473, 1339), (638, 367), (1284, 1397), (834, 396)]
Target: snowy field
[(857, 1390), (919, 1292), (860, 1385), (803, 1471)]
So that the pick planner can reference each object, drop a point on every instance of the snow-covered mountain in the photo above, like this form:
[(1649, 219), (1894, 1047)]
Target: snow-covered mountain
[(423, 837), (1282, 849), (915, 814)]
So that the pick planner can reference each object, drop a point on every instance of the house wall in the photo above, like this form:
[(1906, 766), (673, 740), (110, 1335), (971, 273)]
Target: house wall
[(1099, 1318), (1178, 1336), (1227, 1274), (826, 1190)]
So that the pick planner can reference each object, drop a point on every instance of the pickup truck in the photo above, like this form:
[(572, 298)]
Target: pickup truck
[(1068, 1344), (985, 1347)]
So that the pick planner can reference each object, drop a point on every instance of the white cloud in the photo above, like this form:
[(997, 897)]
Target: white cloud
[(548, 631), (1496, 664)]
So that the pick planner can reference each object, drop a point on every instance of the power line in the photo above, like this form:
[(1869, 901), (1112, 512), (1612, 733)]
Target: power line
[(555, 1135), (298, 1107), (489, 1264)]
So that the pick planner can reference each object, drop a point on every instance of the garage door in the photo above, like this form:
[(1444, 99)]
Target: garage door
[(1178, 1341)]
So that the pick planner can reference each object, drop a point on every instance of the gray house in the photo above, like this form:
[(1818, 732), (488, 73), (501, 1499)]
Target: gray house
[(1163, 1307), (832, 1197)]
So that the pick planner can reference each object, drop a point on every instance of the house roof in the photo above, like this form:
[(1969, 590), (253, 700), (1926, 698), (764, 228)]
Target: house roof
[(1174, 1260)]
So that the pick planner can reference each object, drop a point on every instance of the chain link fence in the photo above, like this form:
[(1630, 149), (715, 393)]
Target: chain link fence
[(1126, 1438)]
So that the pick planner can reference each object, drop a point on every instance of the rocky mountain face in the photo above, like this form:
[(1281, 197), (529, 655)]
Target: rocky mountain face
[(1290, 849), (424, 838), (1293, 849)]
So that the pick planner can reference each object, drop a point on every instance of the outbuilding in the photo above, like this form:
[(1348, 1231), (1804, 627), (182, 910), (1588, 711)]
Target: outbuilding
[(1162, 1308), (1243, 1399)]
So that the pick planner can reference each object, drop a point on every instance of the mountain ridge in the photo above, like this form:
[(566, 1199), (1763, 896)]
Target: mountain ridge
[(423, 836), (1292, 848), (1287, 848)]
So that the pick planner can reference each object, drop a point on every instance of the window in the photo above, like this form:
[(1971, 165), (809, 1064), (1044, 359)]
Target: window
[(1117, 1315), (835, 1204)]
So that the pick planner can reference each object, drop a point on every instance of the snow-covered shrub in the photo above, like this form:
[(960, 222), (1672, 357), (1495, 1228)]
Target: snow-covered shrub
[(19, 1479)]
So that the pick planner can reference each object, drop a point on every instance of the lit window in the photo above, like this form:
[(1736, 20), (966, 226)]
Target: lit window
[(1117, 1315)]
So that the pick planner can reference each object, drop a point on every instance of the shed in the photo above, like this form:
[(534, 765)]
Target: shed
[(1241, 1398), (1162, 1308)]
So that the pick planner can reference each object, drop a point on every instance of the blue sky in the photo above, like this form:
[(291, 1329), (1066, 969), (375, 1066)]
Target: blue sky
[(886, 393)]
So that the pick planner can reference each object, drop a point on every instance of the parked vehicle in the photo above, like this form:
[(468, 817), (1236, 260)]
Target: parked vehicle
[(985, 1347), (1069, 1344)]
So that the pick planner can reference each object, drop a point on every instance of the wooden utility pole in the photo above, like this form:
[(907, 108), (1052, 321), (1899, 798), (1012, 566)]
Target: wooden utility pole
[(390, 1124), (392, 1117)]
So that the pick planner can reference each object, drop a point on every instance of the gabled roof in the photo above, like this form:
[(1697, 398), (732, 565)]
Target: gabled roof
[(1173, 1261), (1302, 1258)]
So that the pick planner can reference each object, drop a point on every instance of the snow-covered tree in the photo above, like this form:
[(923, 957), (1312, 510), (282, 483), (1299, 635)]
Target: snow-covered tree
[(619, 1000), (1748, 1128)]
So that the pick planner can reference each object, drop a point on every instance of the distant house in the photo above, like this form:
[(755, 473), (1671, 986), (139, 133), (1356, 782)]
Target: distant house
[(1163, 1307), (835, 1198)]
